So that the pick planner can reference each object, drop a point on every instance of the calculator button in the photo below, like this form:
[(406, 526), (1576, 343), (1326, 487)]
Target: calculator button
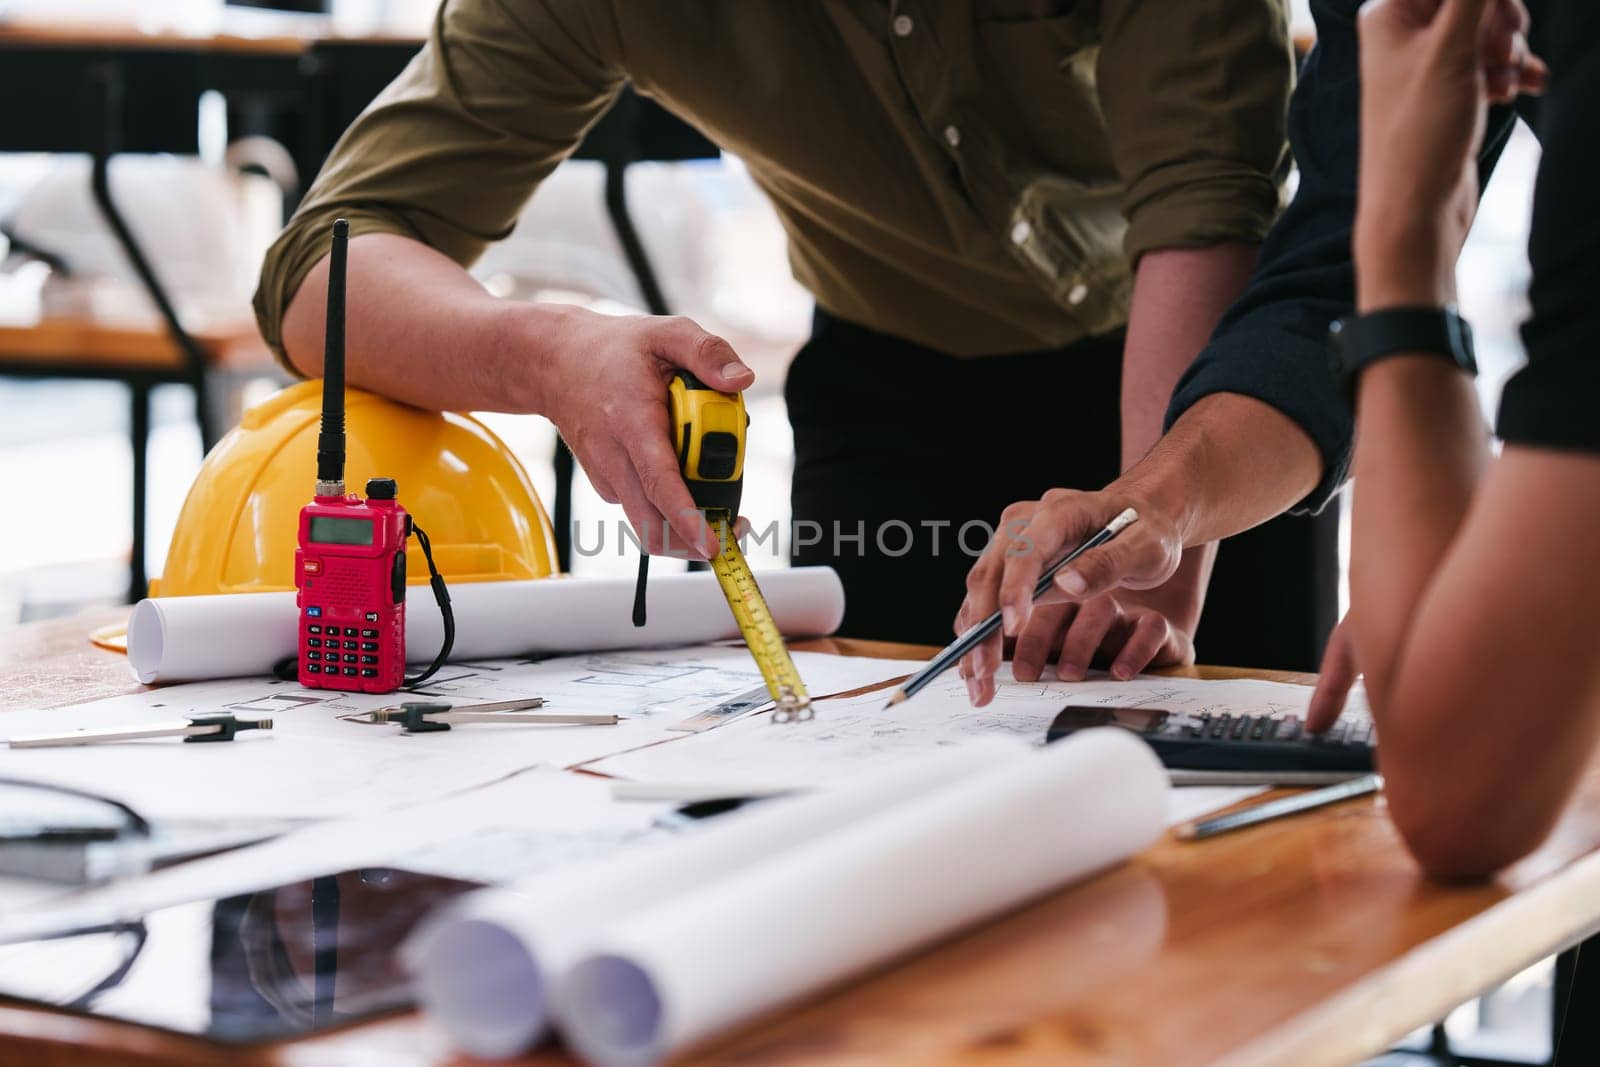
[(369, 633), (1273, 727), (1259, 730), (368, 672), (1335, 736), (350, 672), (1197, 727), (1240, 725), (1361, 735), (367, 659), (313, 668), (369, 646), (313, 629), (1219, 726), (1291, 728)]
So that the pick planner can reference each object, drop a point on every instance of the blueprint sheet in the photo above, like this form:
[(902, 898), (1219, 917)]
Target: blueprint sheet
[(314, 764), (518, 827), (858, 736)]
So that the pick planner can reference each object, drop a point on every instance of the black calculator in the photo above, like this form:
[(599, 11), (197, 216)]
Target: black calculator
[(1226, 742)]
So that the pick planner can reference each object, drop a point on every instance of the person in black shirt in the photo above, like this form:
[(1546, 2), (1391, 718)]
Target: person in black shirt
[(1475, 595)]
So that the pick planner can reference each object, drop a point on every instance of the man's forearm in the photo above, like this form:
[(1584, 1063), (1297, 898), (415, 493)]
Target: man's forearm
[(1178, 297), (1421, 448), (1179, 294), (421, 330), (1421, 443), (1230, 463)]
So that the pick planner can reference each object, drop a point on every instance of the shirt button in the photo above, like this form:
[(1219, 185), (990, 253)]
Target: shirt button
[(902, 25), (1077, 293), (1020, 232), (952, 137)]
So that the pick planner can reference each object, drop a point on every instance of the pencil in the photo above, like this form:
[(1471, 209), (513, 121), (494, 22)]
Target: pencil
[(1277, 809), (976, 634)]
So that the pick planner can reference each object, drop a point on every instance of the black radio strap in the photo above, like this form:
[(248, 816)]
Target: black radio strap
[(441, 596)]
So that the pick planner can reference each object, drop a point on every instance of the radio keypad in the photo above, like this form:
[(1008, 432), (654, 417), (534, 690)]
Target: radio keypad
[(326, 653)]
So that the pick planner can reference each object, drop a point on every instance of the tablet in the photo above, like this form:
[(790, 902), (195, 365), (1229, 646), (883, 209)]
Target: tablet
[(264, 966)]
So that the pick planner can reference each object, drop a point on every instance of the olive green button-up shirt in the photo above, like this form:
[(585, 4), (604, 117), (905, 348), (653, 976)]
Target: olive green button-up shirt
[(977, 176)]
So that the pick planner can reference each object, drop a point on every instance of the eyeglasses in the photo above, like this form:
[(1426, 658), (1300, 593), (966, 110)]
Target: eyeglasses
[(57, 833)]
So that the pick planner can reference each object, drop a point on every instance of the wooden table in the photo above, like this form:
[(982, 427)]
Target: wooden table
[(1294, 944)]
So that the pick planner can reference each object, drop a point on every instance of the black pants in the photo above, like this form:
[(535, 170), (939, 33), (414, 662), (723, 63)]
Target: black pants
[(905, 458)]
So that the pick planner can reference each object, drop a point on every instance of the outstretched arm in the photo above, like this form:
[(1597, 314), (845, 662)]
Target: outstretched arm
[(436, 168)]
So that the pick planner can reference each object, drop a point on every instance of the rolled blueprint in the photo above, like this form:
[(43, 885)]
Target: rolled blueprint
[(657, 981), (186, 639), (484, 969)]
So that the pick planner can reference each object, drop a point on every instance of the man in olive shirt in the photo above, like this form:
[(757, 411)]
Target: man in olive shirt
[(999, 206)]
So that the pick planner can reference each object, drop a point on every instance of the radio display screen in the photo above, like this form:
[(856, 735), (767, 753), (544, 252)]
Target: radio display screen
[(326, 530)]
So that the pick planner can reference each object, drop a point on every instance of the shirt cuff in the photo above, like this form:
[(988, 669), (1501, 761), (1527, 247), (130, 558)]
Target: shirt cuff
[(299, 248), (1549, 403), (1194, 205), (1292, 374)]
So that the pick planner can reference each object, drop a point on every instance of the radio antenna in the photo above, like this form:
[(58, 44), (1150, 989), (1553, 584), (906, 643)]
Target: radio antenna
[(330, 442)]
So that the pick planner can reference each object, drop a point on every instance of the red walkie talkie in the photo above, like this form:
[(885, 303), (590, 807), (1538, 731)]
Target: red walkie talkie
[(350, 568)]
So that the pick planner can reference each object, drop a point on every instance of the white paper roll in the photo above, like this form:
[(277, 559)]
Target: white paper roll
[(186, 639), (662, 979), (483, 969)]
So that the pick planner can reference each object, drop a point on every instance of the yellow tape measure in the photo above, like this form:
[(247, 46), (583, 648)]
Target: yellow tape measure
[(757, 625), (708, 430)]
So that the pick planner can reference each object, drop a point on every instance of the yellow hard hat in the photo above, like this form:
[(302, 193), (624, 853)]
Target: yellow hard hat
[(239, 526)]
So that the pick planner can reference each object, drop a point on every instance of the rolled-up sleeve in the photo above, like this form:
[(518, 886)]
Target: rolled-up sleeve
[(448, 154), (1195, 95)]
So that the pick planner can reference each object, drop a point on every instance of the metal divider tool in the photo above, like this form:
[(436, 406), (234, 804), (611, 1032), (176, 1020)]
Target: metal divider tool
[(222, 727), (708, 431), (419, 717)]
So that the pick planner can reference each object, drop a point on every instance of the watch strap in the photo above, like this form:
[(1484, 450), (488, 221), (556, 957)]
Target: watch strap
[(1361, 340)]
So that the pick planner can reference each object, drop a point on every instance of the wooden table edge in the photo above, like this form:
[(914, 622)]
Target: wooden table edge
[(1436, 976)]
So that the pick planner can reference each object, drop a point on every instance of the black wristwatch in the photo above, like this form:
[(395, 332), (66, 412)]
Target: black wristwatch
[(1360, 340)]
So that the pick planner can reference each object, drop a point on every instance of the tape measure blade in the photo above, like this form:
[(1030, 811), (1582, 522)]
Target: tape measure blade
[(750, 611)]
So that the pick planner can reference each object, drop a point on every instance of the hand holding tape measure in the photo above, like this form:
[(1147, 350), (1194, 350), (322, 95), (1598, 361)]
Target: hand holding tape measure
[(708, 434)]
